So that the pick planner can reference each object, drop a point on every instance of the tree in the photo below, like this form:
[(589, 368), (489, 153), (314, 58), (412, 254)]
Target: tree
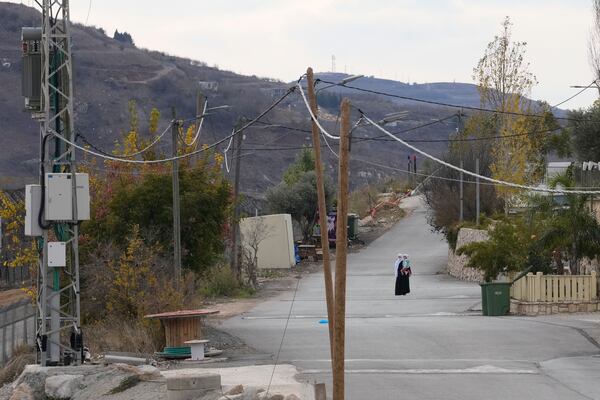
[(442, 192), (594, 41), (19, 249), (585, 132), (300, 201), (504, 81), (252, 236), (508, 249), (130, 195), (123, 37), (572, 229)]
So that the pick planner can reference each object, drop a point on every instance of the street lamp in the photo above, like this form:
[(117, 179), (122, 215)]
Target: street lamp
[(342, 82), (588, 86), (392, 117)]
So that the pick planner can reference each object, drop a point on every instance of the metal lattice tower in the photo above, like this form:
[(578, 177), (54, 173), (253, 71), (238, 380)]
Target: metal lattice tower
[(58, 329)]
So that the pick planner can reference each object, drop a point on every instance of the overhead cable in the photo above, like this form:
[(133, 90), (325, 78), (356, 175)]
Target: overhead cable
[(440, 103), (485, 178), (243, 128), (314, 118), (199, 126)]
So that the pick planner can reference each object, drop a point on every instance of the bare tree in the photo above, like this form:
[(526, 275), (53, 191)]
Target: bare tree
[(254, 233), (594, 41)]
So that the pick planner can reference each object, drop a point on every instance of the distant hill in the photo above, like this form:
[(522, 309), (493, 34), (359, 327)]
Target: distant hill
[(445, 92), (109, 73)]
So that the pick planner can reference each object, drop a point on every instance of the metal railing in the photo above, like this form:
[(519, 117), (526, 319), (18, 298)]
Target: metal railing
[(17, 327)]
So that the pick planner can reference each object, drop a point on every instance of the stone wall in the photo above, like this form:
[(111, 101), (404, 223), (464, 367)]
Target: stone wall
[(456, 263), (545, 308)]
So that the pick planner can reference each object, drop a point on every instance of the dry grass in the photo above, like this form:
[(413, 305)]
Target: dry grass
[(117, 334), (22, 356)]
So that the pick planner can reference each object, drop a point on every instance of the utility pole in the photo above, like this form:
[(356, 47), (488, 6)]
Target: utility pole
[(176, 211), (477, 194), (235, 229), (316, 141), (458, 134), (201, 102), (341, 254)]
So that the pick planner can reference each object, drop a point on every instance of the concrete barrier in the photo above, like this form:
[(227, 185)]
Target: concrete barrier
[(192, 386)]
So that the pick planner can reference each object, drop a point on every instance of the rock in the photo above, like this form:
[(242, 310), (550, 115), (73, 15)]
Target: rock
[(148, 373), (235, 390), (22, 392), (35, 377), (63, 386), (292, 397)]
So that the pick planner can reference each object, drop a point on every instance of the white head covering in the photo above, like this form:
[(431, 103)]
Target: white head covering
[(400, 254), (405, 255)]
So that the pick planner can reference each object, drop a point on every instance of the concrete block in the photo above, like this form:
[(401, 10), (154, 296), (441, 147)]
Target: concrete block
[(199, 381), (554, 308), (581, 307), (572, 308), (63, 386)]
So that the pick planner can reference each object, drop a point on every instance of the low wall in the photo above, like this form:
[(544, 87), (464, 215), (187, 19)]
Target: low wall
[(544, 308), (457, 264)]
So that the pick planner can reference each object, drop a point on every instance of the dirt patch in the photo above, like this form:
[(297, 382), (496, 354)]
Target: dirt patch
[(8, 297)]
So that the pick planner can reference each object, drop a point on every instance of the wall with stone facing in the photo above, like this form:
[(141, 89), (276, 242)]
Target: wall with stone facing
[(546, 308), (457, 264)]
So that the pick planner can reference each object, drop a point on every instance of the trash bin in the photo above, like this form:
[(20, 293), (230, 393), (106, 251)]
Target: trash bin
[(352, 226), (495, 298)]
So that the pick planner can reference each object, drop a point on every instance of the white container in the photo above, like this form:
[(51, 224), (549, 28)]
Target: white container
[(276, 247)]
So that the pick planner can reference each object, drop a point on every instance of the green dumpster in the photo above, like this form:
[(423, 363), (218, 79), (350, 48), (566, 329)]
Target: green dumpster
[(495, 298), (352, 226)]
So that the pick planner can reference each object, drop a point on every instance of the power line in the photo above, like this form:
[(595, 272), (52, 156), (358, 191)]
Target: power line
[(156, 140), (486, 178), (243, 128), (440, 103)]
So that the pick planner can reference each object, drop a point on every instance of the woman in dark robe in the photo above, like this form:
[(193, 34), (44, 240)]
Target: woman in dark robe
[(402, 269)]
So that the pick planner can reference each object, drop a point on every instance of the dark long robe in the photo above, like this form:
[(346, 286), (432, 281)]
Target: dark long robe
[(402, 282)]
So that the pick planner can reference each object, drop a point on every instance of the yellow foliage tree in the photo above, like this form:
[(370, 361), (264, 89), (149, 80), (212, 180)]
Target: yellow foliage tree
[(22, 251), (138, 288), (504, 81)]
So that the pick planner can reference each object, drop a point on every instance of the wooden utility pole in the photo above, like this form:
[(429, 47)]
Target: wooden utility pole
[(316, 141), (458, 134), (176, 212), (477, 198), (200, 109), (235, 229), (341, 253)]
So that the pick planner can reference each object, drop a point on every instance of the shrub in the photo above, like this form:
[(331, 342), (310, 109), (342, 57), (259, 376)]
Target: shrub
[(219, 281)]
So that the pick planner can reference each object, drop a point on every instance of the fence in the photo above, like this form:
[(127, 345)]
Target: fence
[(17, 327), (556, 288), (14, 277)]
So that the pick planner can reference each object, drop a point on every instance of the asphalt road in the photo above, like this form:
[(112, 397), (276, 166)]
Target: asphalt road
[(431, 344)]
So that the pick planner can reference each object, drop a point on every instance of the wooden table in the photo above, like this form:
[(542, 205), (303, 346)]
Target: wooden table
[(181, 326)]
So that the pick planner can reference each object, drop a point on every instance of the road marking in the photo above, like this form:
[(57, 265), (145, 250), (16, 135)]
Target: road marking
[(482, 369), (370, 316)]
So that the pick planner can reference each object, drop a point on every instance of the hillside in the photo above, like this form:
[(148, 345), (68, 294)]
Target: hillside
[(108, 74)]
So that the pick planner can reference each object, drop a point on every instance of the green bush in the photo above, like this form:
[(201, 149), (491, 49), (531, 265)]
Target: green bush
[(220, 282)]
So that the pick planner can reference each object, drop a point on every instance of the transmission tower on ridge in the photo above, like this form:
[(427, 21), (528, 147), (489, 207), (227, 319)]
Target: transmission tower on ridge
[(55, 206)]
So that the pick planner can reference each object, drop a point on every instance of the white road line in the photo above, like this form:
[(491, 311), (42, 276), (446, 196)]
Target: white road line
[(482, 369)]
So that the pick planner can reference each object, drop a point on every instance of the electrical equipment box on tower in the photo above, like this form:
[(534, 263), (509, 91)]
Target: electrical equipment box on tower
[(33, 200), (31, 79), (58, 199), (57, 254)]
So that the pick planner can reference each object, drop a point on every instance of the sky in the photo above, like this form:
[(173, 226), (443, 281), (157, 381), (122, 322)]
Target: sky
[(407, 40)]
